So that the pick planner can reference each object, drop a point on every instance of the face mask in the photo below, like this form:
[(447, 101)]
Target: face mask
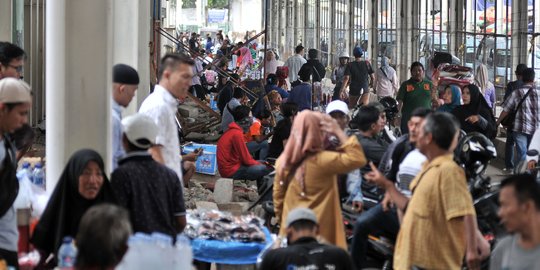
[(245, 123)]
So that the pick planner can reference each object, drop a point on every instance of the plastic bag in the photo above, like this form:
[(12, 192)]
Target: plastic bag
[(26, 195)]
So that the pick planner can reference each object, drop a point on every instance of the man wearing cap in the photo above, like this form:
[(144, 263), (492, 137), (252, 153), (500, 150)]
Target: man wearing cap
[(125, 83), (339, 111), (15, 103), (304, 252), (295, 62), (150, 191), (11, 60)]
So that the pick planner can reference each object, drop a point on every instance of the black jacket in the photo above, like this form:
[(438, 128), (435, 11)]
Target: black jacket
[(307, 253)]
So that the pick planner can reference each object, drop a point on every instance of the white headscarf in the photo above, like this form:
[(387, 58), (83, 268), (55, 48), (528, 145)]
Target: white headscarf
[(482, 79), (387, 69)]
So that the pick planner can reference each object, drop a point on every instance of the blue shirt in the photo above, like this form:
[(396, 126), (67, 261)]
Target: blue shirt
[(282, 92), (118, 149), (209, 46), (301, 95)]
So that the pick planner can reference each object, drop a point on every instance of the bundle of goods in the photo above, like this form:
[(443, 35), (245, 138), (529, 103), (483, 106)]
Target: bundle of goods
[(222, 226), (447, 74)]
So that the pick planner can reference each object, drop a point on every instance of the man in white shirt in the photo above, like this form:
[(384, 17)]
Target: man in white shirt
[(175, 75), (295, 62)]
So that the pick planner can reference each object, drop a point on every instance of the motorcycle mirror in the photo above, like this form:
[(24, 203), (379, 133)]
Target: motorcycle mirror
[(532, 153)]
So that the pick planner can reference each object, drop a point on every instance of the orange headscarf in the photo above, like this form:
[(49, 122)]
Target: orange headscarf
[(306, 139)]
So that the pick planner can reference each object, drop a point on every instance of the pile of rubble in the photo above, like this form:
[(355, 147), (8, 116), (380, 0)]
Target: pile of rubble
[(228, 195), (199, 123)]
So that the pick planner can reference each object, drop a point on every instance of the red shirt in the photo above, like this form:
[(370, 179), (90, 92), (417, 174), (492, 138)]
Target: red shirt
[(232, 151)]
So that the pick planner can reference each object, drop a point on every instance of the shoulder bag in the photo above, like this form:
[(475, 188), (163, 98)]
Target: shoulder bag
[(510, 118)]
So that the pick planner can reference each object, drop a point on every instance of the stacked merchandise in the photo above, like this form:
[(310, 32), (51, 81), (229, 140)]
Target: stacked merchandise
[(216, 225)]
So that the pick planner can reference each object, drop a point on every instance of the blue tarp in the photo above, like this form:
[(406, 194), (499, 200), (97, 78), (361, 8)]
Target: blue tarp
[(214, 251)]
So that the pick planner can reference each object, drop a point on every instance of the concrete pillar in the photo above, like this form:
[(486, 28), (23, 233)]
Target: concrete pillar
[(78, 90), (131, 35), (519, 37), (407, 36), (373, 9), (6, 20), (455, 26), (332, 48)]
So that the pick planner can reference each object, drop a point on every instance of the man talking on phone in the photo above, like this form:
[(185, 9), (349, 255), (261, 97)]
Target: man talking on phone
[(188, 165)]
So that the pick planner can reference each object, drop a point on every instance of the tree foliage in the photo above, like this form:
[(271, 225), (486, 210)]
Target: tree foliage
[(218, 4), (189, 3)]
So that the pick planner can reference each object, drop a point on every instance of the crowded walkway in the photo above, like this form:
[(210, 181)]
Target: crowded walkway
[(232, 152)]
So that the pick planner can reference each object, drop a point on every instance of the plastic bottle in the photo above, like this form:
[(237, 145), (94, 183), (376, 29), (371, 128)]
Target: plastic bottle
[(25, 172), (67, 253), (38, 176)]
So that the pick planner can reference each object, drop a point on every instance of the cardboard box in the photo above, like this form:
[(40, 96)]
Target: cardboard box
[(207, 162)]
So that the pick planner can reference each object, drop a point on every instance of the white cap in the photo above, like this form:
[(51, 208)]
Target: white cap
[(337, 105), (138, 127), (14, 91)]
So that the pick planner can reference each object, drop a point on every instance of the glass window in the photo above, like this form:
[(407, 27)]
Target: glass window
[(387, 37), (488, 40)]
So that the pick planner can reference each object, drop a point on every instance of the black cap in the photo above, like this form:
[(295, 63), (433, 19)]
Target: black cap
[(125, 74)]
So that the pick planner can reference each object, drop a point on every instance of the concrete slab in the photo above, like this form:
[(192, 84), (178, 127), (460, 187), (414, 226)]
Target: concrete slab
[(235, 208), (207, 206), (223, 190)]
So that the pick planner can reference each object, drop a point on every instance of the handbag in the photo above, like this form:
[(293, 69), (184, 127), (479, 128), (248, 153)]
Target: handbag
[(510, 118)]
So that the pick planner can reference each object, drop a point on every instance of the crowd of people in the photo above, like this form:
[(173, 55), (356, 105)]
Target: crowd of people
[(426, 193), (320, 158)]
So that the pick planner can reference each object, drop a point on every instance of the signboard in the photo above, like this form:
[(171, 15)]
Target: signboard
[(217, 15)]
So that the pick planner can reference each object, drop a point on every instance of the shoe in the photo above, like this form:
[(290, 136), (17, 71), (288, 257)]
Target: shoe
[(508, 170)]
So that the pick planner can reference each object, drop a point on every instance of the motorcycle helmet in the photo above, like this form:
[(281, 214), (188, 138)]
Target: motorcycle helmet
[(344, 55), (390, 107), (358, 52), (473, 153)]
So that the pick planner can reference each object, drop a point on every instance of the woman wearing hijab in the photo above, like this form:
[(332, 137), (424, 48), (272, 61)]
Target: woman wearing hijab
[(306, 172), (245, 60), (271, 64), (486, 87), (475, 114), (451, 97), (386, 81), (82, 184)]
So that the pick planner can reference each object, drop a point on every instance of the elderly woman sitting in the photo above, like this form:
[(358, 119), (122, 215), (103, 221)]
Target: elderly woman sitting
[(82, 185)]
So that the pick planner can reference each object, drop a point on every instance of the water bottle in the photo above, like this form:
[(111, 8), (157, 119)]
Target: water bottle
[(67, 253), (25, 172), (38, 176)]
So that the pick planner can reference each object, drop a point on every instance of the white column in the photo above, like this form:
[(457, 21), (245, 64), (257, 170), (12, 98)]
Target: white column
[(6, 20), (78, 85), (143, 51), (131, 34)]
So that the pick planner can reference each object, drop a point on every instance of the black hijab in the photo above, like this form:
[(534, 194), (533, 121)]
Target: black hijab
[(66, 206), (477, 106)]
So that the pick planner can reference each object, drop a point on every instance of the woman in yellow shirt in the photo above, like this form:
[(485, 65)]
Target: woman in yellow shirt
[(306, 172)]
